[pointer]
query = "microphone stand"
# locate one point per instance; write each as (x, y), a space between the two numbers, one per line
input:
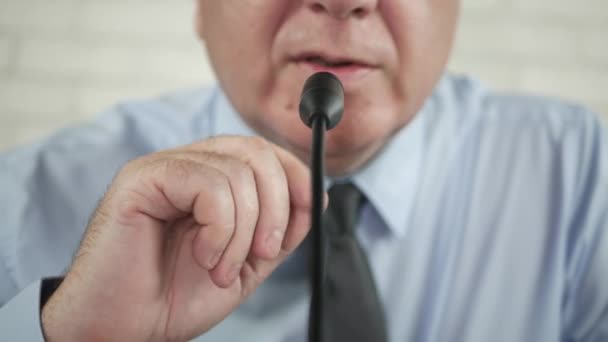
(319, 241)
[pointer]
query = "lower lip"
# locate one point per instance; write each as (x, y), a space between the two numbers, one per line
(346, 74)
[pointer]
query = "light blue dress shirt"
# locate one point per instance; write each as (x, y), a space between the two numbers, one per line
(487, 217)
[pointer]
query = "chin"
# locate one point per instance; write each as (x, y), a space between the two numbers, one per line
(348, 147)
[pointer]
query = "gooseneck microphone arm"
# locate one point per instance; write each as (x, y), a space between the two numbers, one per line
(319, 255)
(321, 108)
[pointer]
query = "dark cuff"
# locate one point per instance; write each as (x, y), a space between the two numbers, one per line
(47, 288)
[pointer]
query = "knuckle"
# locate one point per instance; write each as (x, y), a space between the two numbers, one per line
(131, 169)
(245, 187)
(258, 144)
(217, 198)
(241, 171)
(178, 168)
(213, 143)
(218, 184)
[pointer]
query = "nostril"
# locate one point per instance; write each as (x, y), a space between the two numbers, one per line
(359, 12)
(317, 8)
(339, 10)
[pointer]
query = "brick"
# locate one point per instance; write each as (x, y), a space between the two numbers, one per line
(186, 64)
(526, 42)
(7, 132)
(500, 76)
(470, 5)
(601, 108)
(6, 53)
(95, 97)
(76, 60)
(85, 60)
(15, 133)
(37, 15)
(595, 45)
(8, 138)
(35, 99)
(139, 17)
(583, 11)
(579, 84)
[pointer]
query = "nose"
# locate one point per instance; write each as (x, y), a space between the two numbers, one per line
(343, 9)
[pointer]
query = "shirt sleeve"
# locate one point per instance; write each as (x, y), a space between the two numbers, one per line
(20, 317)
(586, 297)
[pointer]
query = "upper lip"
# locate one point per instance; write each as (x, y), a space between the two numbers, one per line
(331, 58)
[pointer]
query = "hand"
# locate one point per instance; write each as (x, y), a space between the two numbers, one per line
(181, 238)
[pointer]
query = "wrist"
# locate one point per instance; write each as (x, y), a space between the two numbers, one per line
(59, 319)
(48, 287)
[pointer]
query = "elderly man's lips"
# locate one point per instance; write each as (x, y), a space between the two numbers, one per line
(347, 73)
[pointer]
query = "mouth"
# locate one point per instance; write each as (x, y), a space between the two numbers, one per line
(345, 68)
(318, 60)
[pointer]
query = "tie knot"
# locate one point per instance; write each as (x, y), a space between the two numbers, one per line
(344, 203)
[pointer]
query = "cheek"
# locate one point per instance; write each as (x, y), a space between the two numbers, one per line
(422, 32)
(238, 35)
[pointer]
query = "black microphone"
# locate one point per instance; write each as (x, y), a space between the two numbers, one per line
(323, 95)
(321, 108)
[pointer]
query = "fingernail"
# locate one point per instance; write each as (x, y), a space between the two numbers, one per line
(274, 241)
(214, 259)
(233, 272)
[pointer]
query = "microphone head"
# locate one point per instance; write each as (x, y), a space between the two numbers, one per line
(322, 95)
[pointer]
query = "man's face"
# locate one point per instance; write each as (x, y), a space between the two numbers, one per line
(388, 54)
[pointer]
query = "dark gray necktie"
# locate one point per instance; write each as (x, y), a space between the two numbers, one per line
(352, 307)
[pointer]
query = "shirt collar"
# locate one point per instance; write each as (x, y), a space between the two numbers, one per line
(389, 181)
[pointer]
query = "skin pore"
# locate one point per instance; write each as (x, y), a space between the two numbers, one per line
(389, 55)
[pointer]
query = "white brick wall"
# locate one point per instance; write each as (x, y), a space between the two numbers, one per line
(62, 61)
